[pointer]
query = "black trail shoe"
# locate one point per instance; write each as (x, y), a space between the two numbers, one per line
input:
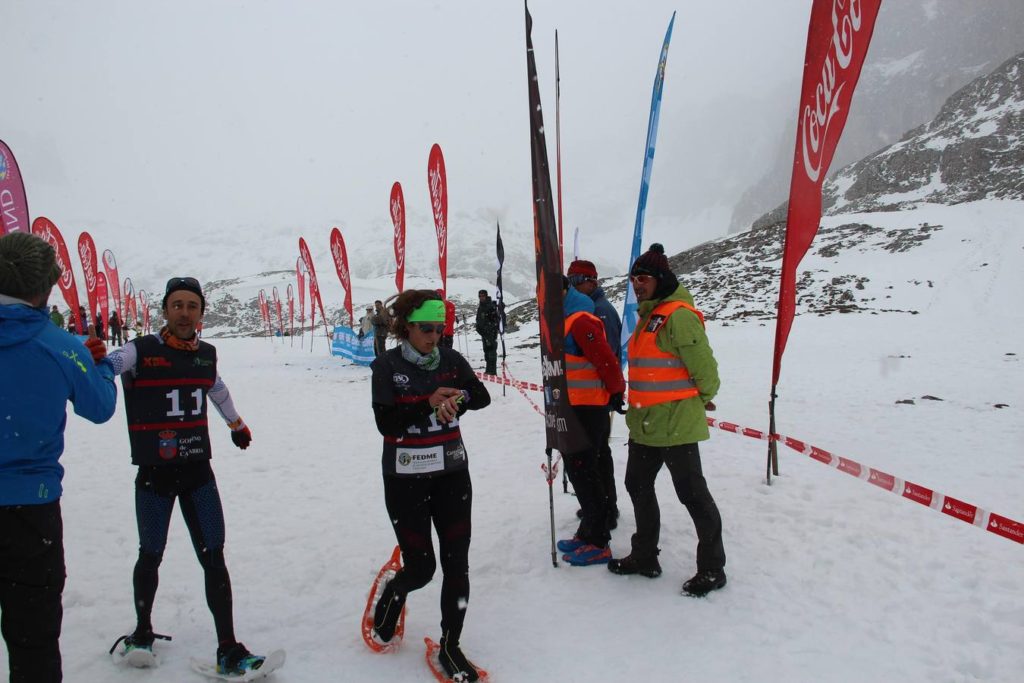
(455, 664)
(704, 582)
(385, 615)
(631, 565)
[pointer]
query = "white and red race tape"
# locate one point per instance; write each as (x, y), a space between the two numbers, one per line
(948, 505)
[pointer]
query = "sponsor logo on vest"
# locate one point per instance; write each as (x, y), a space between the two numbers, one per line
(655, 323)
(399, 378)
(202, 362)
(156, 362)
(168, 447)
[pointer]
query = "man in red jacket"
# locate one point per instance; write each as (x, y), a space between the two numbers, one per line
(595, 382)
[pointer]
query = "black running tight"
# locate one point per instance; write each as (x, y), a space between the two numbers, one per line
(196, 490)
(447, 501)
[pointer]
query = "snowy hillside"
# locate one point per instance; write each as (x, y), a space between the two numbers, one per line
(830, 580)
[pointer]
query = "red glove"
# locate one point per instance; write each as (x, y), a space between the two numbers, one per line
(242, 437)
(97, 348)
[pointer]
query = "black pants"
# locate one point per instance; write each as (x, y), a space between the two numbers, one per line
(115, 335)
(490, 354)
(683, 464)
(379, 343)
(194, 486)
(447, 501)
(606, 466)
(583, 469)
(31, 584)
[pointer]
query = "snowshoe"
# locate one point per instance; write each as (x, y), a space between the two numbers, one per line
(136, 649)
(373, 640)
(449, 664)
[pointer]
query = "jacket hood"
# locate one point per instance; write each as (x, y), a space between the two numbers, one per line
(576, 301)
(20, 322)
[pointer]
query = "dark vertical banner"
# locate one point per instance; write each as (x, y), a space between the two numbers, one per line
(43, 227)
(562, 429)
(558, 153)
(437, 181)
(87, 254)
(500, 251)
(113, 283)
(13, 202)
(398, 218)
(341, 266)
(837, 43)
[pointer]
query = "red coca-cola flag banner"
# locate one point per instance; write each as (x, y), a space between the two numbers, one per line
(837, 43)
(130, 314)
(264, 317)
(314, 288)
(144, 302)
(299, 267)
(13, 202)
(398, 218)
(312, 309)
(44, 228)
(437, 181)
(110, 266)
(87, 254)
(102, 295)
(341, 265)
(277, 305)
(291, 310)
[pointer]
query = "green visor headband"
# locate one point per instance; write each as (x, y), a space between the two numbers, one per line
(431, 310)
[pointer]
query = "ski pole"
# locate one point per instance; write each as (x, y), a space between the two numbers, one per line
(551, 509)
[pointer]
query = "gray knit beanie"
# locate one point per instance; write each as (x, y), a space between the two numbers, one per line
(28, 266)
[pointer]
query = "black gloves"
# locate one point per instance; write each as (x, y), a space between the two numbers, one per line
(242, 437)
(617, 403)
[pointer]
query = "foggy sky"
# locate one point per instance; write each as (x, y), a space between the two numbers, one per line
(169, 120)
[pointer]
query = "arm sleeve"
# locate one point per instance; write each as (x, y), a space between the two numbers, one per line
(594, 344)
(123, 359)
(688, 340)
(221, 399)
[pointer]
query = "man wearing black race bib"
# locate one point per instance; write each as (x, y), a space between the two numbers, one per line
(167, 378)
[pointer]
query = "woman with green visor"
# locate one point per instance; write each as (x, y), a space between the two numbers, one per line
(420, 391)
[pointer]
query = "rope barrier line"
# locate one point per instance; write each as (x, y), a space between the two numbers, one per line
(930, 498)
(513, 382)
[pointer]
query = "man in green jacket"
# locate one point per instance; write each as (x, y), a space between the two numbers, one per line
(673, 376)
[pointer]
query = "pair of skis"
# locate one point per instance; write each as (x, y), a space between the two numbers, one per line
(386, 573)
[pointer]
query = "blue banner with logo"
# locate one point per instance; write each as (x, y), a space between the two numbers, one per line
(629, 314)
(348, 344)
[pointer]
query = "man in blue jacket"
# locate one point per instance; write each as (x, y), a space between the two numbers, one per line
(42, 368)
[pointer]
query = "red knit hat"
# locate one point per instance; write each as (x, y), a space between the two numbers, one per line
(584, 268)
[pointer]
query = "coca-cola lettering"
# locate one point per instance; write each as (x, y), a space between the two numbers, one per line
(815, 120)
(435, 195)
(85, 252)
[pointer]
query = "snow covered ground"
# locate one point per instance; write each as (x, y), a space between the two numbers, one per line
(830, 579)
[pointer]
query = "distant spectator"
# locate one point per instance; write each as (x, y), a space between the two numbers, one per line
(114, 324)
(56, 317)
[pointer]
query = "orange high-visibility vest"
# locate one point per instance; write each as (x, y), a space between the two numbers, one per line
(654, 375)
(585, 385)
